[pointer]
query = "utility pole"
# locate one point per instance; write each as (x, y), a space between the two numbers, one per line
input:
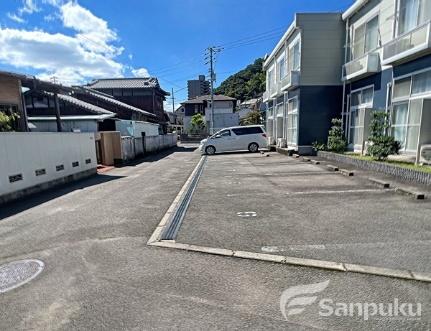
(173, 101)
(210, 57)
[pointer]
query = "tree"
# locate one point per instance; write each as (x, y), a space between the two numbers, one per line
(381, 145)
(197, 123)
(252, 118)
(7, 122)
(336, 141)
(246, 84)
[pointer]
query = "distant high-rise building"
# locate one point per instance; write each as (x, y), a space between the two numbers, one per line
(198, 87)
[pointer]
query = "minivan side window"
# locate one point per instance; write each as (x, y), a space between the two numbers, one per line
(224, 133)
(244, 131)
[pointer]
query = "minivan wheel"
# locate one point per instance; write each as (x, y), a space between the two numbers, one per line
(210, 150)
(253, 147)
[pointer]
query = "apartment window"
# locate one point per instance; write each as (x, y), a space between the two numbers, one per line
(359, 101)
(270, 79)
(421, 83)
(356, 126)
(295, 56)
(270, 112)
(292, 122)
(281, 65)
(406, 118)
(416, 84)
(402, 88)
(362, 98)
(413, 13)
(366, 37)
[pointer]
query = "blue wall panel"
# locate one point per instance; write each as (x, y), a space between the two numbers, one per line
(318, 105)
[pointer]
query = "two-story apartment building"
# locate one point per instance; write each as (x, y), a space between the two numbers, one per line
(303, 85)
(388, 68)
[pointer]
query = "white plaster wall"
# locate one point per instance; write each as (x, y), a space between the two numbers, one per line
(24, 153)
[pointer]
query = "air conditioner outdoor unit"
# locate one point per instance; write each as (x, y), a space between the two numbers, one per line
(425, 154)
(281, 143)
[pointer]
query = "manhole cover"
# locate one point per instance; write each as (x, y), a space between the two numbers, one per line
(246, 214)
(17, 273)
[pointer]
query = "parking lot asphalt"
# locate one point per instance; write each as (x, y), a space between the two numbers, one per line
(285, 206)
(100, 274)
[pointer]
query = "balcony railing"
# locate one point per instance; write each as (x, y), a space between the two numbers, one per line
(408, 45)
(361, 67)
(265, 96)
(291, 80)
(273, 90)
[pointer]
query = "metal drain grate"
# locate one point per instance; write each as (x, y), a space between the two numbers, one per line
(18, 273)
(171, 231)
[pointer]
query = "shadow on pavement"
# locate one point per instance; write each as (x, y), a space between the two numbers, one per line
(35, 199)
(161, 155)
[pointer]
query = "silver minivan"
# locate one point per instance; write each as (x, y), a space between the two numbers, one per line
(237, 138)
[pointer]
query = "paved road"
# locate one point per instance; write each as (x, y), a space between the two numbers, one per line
(101, 275)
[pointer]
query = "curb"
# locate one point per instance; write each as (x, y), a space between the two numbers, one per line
(379, 182)
(346, 172)
(416, 195)
(296, 261)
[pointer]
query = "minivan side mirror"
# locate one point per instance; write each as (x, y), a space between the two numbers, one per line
(218, 136)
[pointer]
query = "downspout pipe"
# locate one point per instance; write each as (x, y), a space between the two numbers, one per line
(343, 106)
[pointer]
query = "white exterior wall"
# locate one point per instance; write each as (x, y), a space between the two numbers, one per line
(322, 51)
(135, 128)
(24, 153)
(220, 107)
(67, 126)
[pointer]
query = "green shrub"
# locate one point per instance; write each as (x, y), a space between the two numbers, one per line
(318, 146)
(8, 121)
(381, 145)
(336, 141)
(197, 124)
(251, 118)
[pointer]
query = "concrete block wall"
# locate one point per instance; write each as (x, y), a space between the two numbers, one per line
(157, 143)
(31, 160)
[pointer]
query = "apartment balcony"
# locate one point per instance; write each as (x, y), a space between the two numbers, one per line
(265, 96)
(290, 81)
(408, 46)
(273, 90)
(361, 67)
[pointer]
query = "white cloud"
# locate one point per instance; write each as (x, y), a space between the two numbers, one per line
(89, 50)
(140, 72)
(28, 7)
(94, 32)
(15, 17)
(55, 54)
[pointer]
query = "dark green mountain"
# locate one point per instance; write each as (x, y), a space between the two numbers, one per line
(246, 84)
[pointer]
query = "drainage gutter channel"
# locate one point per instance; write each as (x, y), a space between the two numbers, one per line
(175, 222)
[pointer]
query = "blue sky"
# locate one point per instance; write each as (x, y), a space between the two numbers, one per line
(76, 41)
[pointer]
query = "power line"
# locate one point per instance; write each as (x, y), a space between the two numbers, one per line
(253, 36)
